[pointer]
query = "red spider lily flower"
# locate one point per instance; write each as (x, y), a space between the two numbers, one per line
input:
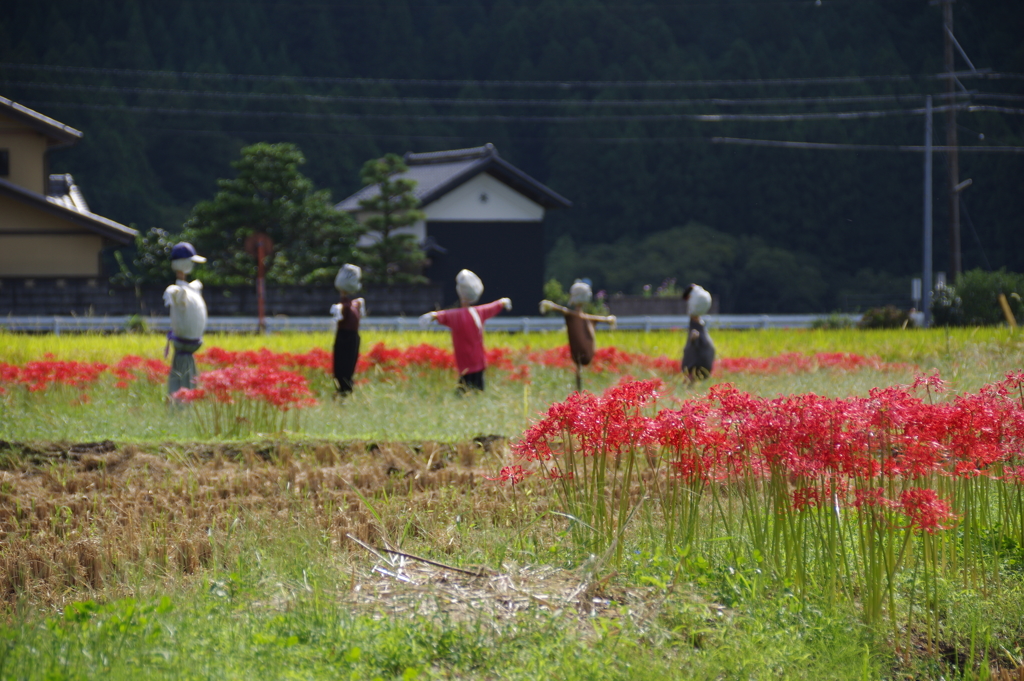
(499, 358)
(926, 510)
(520, 374)
(131, 368)
(1012, 383)
(794, 362)
(281, 389)
(1014, 474)
(513, 474)
(806, 497)
(931, 382)
(189, 395)
(593, 425)
(872, 497)
(317, 359)
(395, 360)
(9, 373)
(40, 375)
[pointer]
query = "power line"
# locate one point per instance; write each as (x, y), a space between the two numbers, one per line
(454, 101)
(973, 108)
(693, 139)
(788, 144)
(550, 84)
(504, 118)
(685, 4)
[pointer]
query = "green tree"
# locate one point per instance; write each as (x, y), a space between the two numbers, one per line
(270, 195)
(393, 257)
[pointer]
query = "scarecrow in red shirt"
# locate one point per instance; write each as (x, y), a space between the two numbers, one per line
(467, 325)
(578, 325)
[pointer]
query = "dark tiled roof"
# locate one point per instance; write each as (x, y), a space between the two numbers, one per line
(66, 201)
(440, 172)
(59, 134)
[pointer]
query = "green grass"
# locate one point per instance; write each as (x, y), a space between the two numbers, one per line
(281, 612)
(275, 596)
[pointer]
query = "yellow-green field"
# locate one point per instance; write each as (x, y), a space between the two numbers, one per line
(923, 346)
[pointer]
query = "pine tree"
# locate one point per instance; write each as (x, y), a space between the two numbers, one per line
(271, 196)
(394, 257)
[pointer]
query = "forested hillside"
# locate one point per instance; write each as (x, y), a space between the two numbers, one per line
(615, 105)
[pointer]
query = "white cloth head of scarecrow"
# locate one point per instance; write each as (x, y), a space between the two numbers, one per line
(580, 293)
(347, 280)
(698, 302)
(468, 286)
(184, 257)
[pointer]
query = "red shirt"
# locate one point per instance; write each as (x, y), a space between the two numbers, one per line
(468, 334)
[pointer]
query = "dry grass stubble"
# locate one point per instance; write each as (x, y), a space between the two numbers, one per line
(88, 520)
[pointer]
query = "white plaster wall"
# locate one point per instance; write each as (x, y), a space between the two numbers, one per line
(484, 199)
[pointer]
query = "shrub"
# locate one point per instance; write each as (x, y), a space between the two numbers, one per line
(835, 320)
(947, 308)
(888, 317)
(979, 292)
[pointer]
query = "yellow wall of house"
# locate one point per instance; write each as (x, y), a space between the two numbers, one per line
(26, 152)
(18, 216)
(49, 256)
(61, 249)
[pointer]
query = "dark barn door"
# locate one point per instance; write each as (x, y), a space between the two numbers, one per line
(508, 257)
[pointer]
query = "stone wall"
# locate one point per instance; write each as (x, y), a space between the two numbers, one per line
(36, 297)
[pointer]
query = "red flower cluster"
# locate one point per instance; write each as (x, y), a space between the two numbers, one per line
(281, 389)
(592, 425)
(513, 474)
(891, 436)
(606, 359)
(132, 368)
(926, 511)
(792, 362)
(398, 361)
(41, 374)
(422, 356)
(317, 358)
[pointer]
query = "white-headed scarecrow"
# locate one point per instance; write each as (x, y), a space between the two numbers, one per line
(188, 318)
(347, 313)
(699, 351)
(579, 325)
(467, 325)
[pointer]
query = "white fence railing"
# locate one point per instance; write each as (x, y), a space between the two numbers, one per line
(69, 324)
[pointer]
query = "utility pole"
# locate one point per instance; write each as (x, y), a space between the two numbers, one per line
(952, 154)
(927, 264)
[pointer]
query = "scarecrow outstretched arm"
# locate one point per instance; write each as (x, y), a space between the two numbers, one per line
(549, 306)
(610, 319)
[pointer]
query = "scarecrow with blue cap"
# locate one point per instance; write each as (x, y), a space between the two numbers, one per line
(188, 318)
(579, 325)
(347, 314)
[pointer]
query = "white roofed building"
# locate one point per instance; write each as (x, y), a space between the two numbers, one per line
(482, 214)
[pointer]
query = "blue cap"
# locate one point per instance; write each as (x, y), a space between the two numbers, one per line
(183, 250)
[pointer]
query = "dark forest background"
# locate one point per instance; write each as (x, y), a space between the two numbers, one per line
(585, 96)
